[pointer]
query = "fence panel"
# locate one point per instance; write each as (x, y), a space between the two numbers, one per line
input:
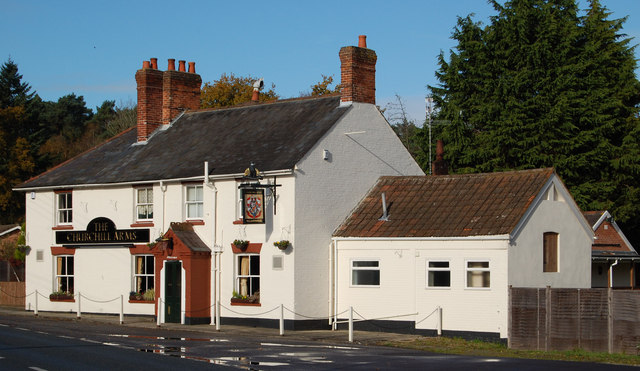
(626, 321)
(12, 293)
(577, 318)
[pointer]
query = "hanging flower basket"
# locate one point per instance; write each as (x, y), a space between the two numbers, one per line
(241, 244)
(282, 245)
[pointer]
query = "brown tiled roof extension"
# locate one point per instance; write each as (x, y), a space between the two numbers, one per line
(446, 205)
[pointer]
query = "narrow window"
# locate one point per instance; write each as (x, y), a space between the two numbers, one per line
(365, 273)
(64, 273)
(478, 274)
(144, 203)
(550, 252)
(248, 276)
(143, 275)
(193, 203)
(438, 274)
(64, 208)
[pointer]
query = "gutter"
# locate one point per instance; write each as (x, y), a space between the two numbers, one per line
(136, 182)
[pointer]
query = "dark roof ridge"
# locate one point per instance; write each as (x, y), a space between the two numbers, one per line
(494, 173)
(259, 104)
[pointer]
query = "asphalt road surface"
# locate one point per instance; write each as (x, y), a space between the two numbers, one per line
(29, 343)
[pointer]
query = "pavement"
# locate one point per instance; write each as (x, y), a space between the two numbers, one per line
(323, 336)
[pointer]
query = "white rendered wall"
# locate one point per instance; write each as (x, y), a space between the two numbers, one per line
(276, 285)
(403, 283)
(327, 190)
(574, 249)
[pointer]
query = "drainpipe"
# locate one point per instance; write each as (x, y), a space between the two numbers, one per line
(611, 273)
(163, 188)
(335, 284)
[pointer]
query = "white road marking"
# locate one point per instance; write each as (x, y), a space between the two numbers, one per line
(37, 368)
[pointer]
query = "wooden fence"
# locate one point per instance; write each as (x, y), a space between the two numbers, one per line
(601, 320)
(12, 293)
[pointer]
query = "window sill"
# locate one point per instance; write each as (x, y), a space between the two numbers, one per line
(142, 301)
(196, 222)
(244, 303)
(61, 227)
(64, 300)
(141, 224)
(239, 221)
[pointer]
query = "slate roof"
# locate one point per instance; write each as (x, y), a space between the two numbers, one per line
(185, 233)
(446, 205)
(273, 135)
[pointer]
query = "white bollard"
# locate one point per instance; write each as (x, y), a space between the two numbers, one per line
(439, 319)
(351, 324)
(121, 309)
(36, 310)
(218, 315)
(159, 312)
(79, 296)
(281, 319)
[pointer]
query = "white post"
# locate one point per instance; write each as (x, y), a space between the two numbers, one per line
(36, 311)
(351, 324)
(159, 312)
(281, 319)
(439, 319)
(121, 309)
(79, 296)
(218, 315)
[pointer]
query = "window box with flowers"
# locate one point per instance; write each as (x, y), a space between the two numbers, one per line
(252, 300)
(62, 296)
(148, 296)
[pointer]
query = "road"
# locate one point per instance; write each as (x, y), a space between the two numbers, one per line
(27, 342)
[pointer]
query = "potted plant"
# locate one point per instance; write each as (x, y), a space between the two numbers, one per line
(282, 245)
(241, 244)
(149, 295)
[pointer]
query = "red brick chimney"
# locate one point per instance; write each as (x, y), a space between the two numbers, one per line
(163, 95)
(149, 81)
(358, 72)
(180, 91)
(439, 166)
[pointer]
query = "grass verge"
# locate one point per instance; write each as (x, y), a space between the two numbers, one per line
(488, 349)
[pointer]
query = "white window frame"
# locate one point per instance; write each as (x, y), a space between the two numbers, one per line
(353, 269)
(147, 204)
(239, 276)
(438, 269)
(66, 209)
(59, 277)
(145, 275)
(468, 270)
(195, 202)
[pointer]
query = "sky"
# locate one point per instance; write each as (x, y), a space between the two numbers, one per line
(93, 48)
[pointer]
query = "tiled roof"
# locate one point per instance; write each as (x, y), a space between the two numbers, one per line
(446, 205)
(275, 136)
(607, 239)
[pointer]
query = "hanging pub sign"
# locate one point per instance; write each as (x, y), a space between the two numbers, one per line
(102, 231)
(253, 206)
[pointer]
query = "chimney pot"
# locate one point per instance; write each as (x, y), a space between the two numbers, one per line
(171, 65)
(181, 67)
(362, 41)
(154, 63)
(192, 67)
(146, 64)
